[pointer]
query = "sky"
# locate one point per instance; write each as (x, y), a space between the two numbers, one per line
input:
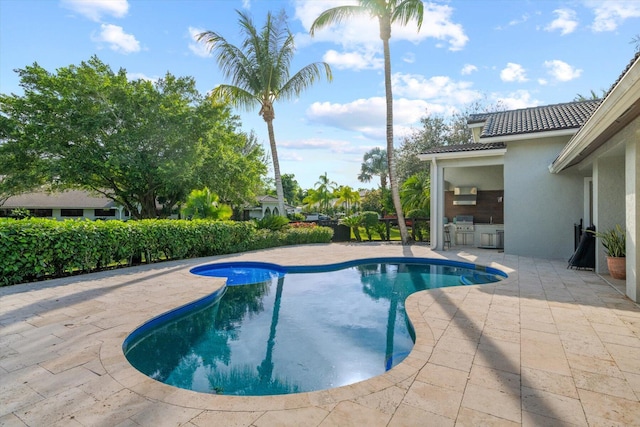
(514, 53)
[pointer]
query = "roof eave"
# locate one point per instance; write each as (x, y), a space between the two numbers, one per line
(529, 135)
(463, 154)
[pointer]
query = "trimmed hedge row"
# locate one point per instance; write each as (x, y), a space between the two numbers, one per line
(35, 249)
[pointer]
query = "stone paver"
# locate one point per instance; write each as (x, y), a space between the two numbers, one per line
(547, 346)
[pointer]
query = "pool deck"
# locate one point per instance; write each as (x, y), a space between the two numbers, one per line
(548, 346)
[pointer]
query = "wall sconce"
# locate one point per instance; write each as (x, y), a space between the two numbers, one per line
(500, 199)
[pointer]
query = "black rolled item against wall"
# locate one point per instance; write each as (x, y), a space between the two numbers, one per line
(585, 254)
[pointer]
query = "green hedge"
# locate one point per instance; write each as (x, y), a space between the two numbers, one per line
(35, 249)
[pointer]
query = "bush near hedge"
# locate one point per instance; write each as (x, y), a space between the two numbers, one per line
(36, 249)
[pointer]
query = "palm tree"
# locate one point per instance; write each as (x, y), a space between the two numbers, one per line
(259, 74)
(374, 162)
(416, 193)
(346, 195)
(203, 204)
(324, 189)
(387, 12)
(312, 200)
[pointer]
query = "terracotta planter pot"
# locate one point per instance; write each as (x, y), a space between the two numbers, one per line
(617, 267)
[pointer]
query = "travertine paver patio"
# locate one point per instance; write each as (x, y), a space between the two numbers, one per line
(548, 346)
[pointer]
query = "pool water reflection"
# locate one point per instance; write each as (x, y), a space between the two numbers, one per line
(298, 331)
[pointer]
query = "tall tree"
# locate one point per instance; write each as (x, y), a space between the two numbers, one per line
(374, 162)
(85, 126)
(387, 12)
(324, 188)
(259, 74)
(291, 188)
(346, 196)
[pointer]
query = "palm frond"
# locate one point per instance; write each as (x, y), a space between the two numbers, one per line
(336, 15)
(408, 10)
(304, 79)
(236, 96)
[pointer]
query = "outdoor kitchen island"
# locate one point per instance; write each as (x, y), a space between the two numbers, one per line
(488, 236)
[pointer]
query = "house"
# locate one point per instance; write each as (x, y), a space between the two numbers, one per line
(265, 206)
(66, 204)
(532, 174)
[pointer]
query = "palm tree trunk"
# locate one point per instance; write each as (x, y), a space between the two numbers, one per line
(276, 168)
(395, 194)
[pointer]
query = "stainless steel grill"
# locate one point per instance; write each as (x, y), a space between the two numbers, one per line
(464, 230)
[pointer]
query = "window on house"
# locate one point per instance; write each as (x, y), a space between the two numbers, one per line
(41, 213)
(71, 212)
(104, 212)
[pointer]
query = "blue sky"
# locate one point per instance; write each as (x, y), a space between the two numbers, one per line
(517, 53)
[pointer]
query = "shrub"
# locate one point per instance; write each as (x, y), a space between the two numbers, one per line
(370, 222)
(272, 222)
(296, 217)
(35, 249)
(353, 222)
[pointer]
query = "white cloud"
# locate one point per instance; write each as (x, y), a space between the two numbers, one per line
(368, 117)
(513, 73)
(246, 4)
(561, 71)
(333, 145)
(516, 100)
(468, 69)
(409, 58)
(524, 18)
(353, 60)
(565, 21)
(141, 76)
(363, 30)
(117, 39)
(198, 48)
(612, 13)
(438, 89)
(543, 82)
(94, 9)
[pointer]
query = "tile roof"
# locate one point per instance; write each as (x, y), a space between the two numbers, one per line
(636, 58)
(478, 146)
(570, 115)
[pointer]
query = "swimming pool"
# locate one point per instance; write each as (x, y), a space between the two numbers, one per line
(326, 327)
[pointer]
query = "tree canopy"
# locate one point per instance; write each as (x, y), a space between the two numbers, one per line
(137, 142)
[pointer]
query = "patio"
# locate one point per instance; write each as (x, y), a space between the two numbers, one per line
(547, 346)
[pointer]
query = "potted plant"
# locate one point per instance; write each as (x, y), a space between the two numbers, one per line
(614, 241)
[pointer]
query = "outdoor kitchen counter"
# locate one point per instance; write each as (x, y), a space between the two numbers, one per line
(488, 235)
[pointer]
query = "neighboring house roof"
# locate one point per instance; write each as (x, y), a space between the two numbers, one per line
(465, 147)
(569, 115)
(64, 200)
(267, 199)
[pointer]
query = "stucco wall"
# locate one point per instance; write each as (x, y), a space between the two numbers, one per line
(540, 208)
(609, 199)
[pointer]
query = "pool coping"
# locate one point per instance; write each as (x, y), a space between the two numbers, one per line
(509, 320)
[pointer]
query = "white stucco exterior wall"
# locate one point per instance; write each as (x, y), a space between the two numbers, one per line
(540, 208)
(632, 178)
(609, 200)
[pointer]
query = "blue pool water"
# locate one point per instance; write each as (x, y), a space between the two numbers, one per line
(281, 330)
